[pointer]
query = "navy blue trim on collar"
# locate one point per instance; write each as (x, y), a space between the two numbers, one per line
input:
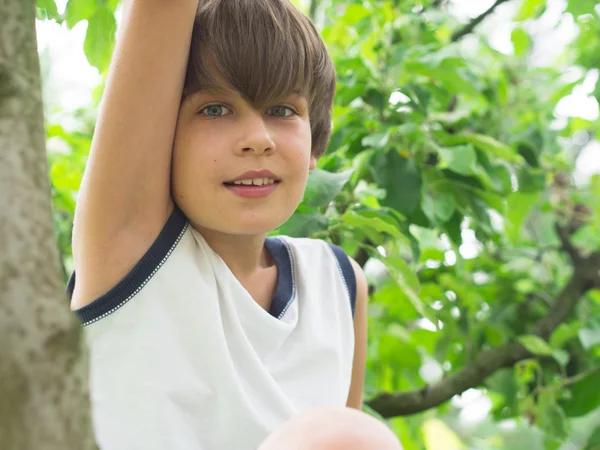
(142, 272)
(347, 274)
(285, 289)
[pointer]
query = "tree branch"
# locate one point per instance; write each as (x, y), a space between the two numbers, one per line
(566, 244)
(569, 381)
(467, 29)
(586, 275)
(486, 363)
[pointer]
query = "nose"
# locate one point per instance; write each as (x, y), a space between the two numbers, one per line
(255, 135)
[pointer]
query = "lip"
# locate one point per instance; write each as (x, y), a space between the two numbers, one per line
(251, 191)
(251, 174)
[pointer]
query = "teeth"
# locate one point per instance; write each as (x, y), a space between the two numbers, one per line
(256, 181)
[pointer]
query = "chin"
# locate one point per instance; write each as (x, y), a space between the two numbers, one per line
(252, 228)
(235, 220)
(254, 225)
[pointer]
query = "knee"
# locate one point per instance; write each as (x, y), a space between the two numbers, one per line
(332, 428)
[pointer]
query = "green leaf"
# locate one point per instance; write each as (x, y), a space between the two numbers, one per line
(554, 420)
(304, 224)
(112, 4)
(530, 9)
(406, 432)
(395, 303)
(580, 7)
(501, 178)
(408, 275)
(401, 180)
(460, 159)
(492, 146)
(519, 206)
(589, 337)
(438, 435)
(503, 381)
(535, 345)
(521, 41)
(430, 244)
(594, 440)
(585, 396)
(65, 175)
(407, 280)
(494, 335)
(452, 78)
(587, 238)
(377, 140)
(78, 10)
(357, 220)
(438, 206)
(324, 186)
(564, 333)
(354, 14)
(49, 8)
(531, 180)
(561, 356)
(100, 38)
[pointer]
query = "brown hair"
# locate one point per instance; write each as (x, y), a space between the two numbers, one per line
(266, 50)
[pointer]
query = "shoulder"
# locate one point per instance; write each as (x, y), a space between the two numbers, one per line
(362, 288)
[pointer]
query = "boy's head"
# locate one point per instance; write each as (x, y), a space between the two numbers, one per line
(258, 94)
(264, 49)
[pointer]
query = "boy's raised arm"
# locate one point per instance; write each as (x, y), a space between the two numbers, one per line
(125, 199)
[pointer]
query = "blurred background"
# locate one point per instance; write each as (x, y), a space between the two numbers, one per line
(463, 173)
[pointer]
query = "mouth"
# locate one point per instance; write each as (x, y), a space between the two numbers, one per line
(253, 184)
(252, 190)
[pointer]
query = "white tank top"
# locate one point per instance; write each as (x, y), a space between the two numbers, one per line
(182, 357)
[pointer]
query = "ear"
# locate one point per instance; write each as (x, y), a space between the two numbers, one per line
(313, 163)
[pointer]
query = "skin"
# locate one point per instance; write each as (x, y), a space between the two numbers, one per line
(222, 142)
(332, 428)
(355, 396)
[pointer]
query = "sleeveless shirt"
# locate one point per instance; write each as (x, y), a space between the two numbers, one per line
(182, 358)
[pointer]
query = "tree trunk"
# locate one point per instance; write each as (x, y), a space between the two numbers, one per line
(43, 364)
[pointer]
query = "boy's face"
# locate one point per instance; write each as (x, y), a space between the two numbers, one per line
(219, 136)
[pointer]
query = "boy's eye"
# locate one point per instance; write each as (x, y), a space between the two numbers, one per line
(280, 111)
(213, 110)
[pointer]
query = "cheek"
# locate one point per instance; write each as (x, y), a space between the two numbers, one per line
(303, 145)
(200, 154)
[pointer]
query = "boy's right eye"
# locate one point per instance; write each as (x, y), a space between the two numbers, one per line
(213, 111)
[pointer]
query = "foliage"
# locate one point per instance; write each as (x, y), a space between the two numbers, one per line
(448, 172)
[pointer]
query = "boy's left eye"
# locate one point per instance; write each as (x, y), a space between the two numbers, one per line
(213, 110)
(283, 108)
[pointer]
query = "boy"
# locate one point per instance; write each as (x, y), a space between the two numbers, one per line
(203, 333)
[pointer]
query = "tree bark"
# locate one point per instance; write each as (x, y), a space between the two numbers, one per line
(44, 401)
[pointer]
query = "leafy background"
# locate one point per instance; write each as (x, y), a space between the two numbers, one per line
(449, 176)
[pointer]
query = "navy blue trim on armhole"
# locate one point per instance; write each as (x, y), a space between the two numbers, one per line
(284, 291)
(141, 273)
(347, 273)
